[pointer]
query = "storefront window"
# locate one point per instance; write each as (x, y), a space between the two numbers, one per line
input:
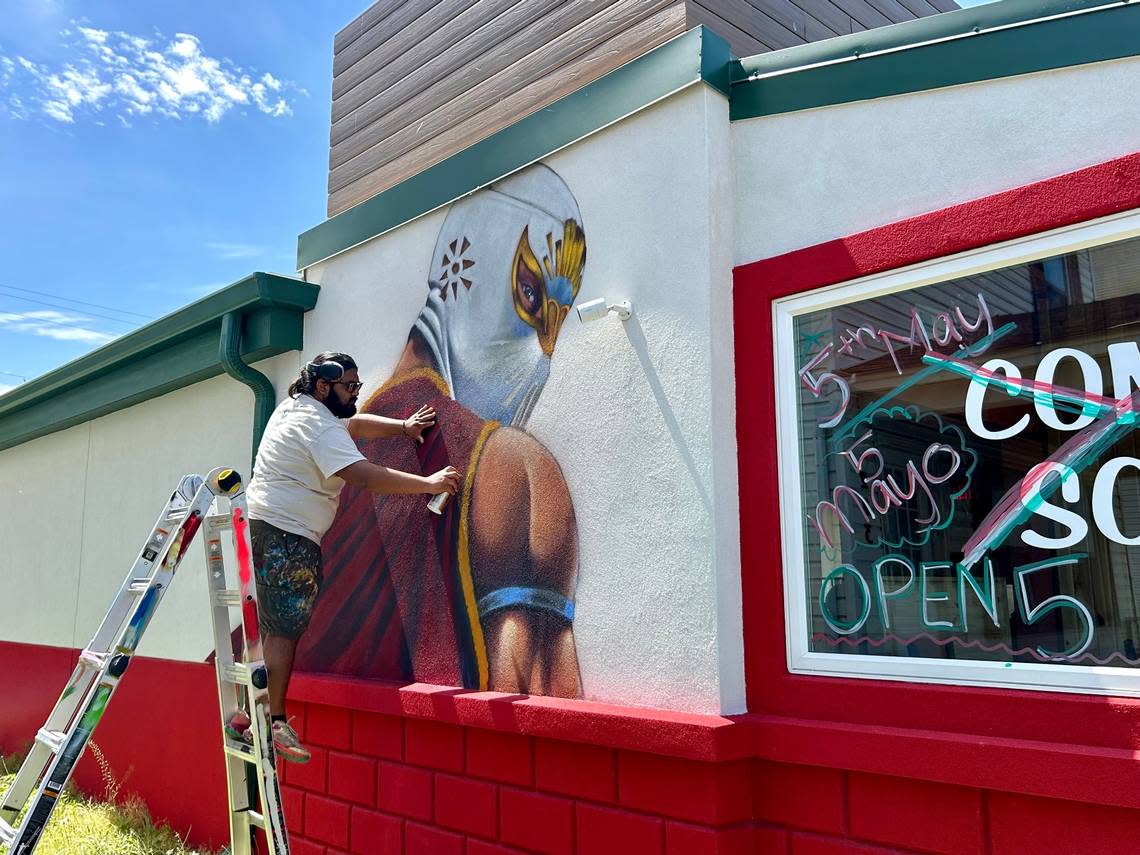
(968, 468)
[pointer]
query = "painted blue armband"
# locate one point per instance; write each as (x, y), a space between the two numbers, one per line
(542, 599)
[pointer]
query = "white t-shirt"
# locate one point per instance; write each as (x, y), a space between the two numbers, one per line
(294, 486)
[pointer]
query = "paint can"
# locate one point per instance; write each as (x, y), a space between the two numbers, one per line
(437, 502)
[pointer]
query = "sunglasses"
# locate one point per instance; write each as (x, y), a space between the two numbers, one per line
(350, 385)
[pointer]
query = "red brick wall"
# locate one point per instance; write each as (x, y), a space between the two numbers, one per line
(429, 769)
(389, 783)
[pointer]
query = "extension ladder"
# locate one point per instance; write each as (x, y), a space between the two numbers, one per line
(251, 769)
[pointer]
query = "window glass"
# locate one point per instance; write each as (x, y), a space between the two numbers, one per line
(970, 466)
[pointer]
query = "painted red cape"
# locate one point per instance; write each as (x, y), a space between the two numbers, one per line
(397, 600)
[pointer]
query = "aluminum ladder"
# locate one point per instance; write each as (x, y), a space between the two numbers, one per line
(251, 771)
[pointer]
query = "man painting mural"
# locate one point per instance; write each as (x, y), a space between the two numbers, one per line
(306, 456)
(482, 595)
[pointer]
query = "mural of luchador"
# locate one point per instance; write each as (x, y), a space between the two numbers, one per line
(481, 596)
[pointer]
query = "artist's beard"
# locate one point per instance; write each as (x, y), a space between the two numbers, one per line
(341, 411)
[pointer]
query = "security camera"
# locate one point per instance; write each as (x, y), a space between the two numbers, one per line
(594, 310)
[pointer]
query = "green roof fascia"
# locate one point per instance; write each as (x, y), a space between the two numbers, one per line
(175, 351)
(698, 55)
(987, 42)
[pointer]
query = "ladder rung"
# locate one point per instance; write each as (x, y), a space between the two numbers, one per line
(227, 597)
(241, 751)
(139, 585)
(7, 833)
(220, 521)
(92, 659)
(236, 673)
(51, 739)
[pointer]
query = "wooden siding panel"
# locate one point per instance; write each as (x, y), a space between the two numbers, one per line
(416, 80)
(429, 59)
(442, 26)
(834, 18)
(753, 23)
(375, 14)
(803, 18)
(863, 14)
(920, 8)
(355, 62)
(472, 60)
(620, 48)
(400, 32)
(348, 34)
(740, 42)
(818, 32)
(433, 111)
(893, 10)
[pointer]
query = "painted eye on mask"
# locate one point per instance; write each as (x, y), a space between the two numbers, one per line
(529, 285)
(529, 297)
(543, 292)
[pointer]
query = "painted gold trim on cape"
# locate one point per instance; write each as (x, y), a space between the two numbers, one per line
(463, 553)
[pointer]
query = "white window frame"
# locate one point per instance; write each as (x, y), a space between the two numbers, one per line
(1101, 680)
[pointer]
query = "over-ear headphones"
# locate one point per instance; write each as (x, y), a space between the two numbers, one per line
(330, 371)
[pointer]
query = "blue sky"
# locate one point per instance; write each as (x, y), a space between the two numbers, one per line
(152, 153)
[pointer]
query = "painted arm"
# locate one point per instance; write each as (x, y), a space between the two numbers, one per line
(524, 538)
(368, 426)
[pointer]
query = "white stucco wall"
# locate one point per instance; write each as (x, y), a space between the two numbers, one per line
(41, 536)
(639, 416)
(816, 175)
(77, 505)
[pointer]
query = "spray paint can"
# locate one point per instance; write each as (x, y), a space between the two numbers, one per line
(437, 502)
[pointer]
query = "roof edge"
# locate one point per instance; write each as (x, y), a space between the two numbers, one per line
(1004, 39)
(267, 290)
(971, 21)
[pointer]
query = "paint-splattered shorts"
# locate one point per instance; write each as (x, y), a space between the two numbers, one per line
(287, 568)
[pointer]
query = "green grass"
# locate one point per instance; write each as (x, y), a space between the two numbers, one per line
(113, 826)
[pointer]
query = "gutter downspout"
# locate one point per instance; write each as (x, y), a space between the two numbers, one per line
(264, 396)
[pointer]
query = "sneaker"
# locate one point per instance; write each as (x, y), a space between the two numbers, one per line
(238, 727)
(287, 743)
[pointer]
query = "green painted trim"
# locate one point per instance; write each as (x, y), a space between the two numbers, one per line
(1003, 39)
(716, 61)
(911, 33)
(168, 354)
(696, 55)
(264, 396)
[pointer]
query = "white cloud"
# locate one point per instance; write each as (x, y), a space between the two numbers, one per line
(129, 76)
(184, 45)
(52, 324)
(15, 104)
(95, 37)
(16, 108)
(4, 387)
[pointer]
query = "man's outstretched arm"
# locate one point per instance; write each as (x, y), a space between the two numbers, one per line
(381, 479)
(368, 426)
